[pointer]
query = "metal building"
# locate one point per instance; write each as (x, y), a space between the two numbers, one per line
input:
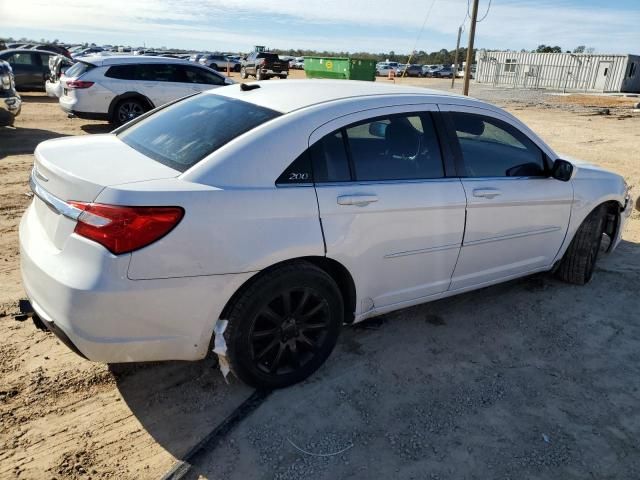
(582, 72)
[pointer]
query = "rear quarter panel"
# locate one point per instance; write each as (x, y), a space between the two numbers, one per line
(230, 230)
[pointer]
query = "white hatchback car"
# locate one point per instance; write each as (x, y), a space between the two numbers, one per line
(272, 213)
(121, 88)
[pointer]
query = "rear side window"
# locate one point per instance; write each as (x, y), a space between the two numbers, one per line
(122, 72)
(493, 148)
(78, 69)
(182, 134)
(159, 72)
(24, 59)
(397, 147)
(268, 56)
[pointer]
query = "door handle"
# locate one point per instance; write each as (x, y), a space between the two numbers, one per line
(358, 200)
(486, 192)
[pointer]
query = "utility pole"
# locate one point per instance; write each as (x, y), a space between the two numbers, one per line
(472, 34)
(455, 61)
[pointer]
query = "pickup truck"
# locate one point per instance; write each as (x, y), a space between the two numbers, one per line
(263, 66)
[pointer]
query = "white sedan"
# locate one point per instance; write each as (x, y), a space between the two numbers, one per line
(265, 216)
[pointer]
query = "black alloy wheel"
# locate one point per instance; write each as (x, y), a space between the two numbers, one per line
(284, 326)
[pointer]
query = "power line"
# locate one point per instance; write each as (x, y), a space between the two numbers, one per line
(486, 13)
(415, 45)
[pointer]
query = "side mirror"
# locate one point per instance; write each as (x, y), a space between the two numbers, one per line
(377, 129)
(562, 170)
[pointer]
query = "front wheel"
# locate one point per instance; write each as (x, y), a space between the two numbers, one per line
(284, 326)
(259, 75)
(243, 73)
(579, 261)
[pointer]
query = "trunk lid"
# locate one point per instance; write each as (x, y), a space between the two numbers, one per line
(79, 169)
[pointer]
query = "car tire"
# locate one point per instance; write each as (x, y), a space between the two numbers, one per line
(259, 75)
(579, 261)
(243, 73)
(236, 68)
(283, 77)
(128, 109)
(274, 343)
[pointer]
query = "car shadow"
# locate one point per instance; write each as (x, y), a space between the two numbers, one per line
(21, 141)
(179, 403)
(93, 128)
(36, 97)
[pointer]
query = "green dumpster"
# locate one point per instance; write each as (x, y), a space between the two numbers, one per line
(340, 68)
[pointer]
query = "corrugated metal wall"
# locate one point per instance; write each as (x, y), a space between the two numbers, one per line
(559, 71)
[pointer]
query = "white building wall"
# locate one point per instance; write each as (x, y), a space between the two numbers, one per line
(559, 71)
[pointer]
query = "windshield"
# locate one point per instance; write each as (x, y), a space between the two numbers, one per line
(78, 69)
(182, 134)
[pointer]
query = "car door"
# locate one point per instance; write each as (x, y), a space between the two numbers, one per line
(26, 69)
(162, 82)
(201, 79)
(388, 212)
(517, 214)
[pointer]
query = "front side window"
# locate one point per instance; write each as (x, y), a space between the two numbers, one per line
(493, 148)
(184, 133)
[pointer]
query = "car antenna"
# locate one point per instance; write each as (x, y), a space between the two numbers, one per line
(245, 87)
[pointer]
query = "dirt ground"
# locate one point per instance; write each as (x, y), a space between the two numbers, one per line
(530, 379)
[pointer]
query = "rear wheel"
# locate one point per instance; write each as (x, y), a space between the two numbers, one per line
(579, 261)
(127, 110)
(284, 326)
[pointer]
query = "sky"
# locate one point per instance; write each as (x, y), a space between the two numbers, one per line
(334, 25)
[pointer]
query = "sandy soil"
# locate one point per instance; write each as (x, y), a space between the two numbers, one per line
(529, 379)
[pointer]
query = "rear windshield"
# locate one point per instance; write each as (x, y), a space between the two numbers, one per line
(181, 135)
(78, 69)
(269, 56)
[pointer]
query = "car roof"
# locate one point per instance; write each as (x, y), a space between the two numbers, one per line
(27, 50)
(293, 95)
(100, 60)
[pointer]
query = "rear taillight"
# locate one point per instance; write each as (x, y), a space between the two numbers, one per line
(78, 84)
(125, 229)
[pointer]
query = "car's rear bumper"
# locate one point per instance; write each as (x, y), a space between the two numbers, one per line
(268, 71)
(82, 294)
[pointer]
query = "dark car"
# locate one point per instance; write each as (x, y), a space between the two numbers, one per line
(53, 48)
(30, 67)
(410, 71)
(263, 66)
(10, 102)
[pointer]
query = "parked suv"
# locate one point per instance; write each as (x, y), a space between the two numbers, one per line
(219, 62)
(120, 88)
(30, 67)
(9, 99)
(263, 66)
